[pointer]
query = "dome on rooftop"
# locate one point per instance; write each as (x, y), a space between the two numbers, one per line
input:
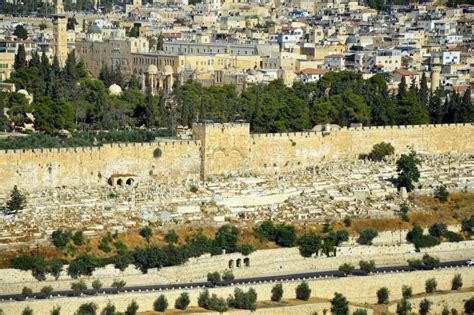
(93, 29)
(23, 91)
(351, 39)
(152, 69)
(168, 70)
(115, 89)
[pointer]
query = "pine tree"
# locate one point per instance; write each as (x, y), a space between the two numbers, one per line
(17, 201)
(20, 58)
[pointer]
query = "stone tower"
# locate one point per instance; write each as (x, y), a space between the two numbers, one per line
(59, 7)
(60, 33)
(435, 73)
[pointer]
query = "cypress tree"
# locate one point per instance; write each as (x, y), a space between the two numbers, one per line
(44, 66)
(35, 59)
(402, 89)
(424, 91)
(467, 107)
(3, 120)
(20, 58)
(435, 108)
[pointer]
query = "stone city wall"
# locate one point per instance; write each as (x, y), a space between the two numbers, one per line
(288, 151)
(48, 168)
(219, 149)
(356, 289)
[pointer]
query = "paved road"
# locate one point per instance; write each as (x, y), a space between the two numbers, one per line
(254, 280)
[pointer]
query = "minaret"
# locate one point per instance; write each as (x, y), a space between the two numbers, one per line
(59, 7)
(435, 73)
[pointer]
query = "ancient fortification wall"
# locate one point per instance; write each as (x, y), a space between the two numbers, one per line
(283, 152)
(219, 149)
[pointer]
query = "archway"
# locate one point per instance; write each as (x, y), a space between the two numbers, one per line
(130, 181)
(247, 262)
(120, 182)
(239, 263)
(231, 264)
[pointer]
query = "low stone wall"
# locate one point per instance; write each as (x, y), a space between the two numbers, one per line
(355, 289)
(262, 262)
(454, 300)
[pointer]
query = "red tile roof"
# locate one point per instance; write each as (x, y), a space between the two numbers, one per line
(313, 71)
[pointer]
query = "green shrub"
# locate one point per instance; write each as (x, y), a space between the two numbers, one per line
(109, 309)
(87, 309)
(438, 229)
(456, 283)
(347, 221)
(453, 237)
(367, 266)
(118, 284)
(132, 308)
(303, 292)
(407, 292)
(27, 311)
(96, 284)
(203, 299)
(442, 194)
(339, 305)
(214, 277)
(403, 307)
(277, 292)
(346, 268)
(366, 236)
(381, 150)
(228, 275)
(160, 304)
(469, 306)
(193, 189)
(26, 292)
(47, 290)
(430, 285)
(383, 295)
(244, 300)
(246, 249)
(430, 262)
(425, 306)
(60, 238)
(78, 238)
(182, 302)
(79, 286)
(360, 311)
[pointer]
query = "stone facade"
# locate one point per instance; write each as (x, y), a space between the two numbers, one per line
(220, 149)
